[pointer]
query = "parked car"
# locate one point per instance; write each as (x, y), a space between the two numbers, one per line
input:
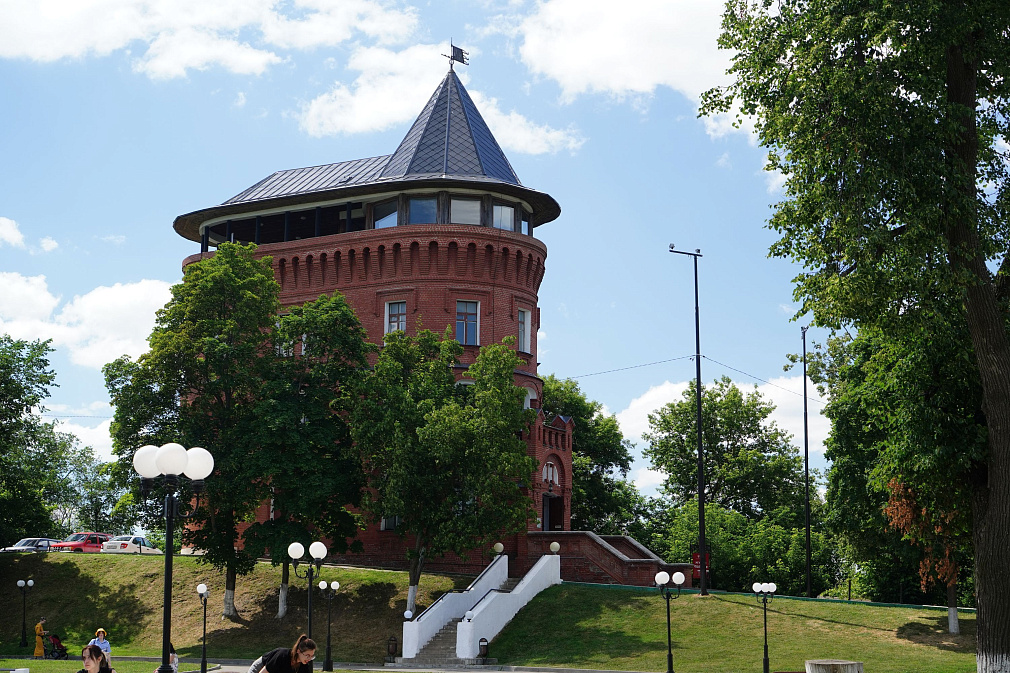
(129, 544)
(31, 544)
(82, 542)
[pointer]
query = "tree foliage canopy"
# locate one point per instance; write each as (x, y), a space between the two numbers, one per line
(889, 121)
(225, 372)
(751, 467)
(448, 459)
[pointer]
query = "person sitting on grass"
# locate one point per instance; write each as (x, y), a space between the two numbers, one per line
(102, 640)
(94, 660)
(297, 659)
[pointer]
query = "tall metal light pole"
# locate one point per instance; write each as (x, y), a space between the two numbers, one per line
(765, 593)
(806, 457)
(317, 552)
(703, 572)
(169, 461)
(24, 587)
(663, 582)
(328, 593)
(204, 592)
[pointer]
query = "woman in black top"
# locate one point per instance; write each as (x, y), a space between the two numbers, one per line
(94, 660)
(297, 659)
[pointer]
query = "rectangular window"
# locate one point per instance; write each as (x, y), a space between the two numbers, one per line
(390, 522)
(384, 214)
(396, 316)
(524, 224)
(504, 217)
(466, 322)
(423, 211)
(524, 331)
(464, 211)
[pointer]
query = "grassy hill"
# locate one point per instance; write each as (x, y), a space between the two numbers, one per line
(579, 626)
(78, 593)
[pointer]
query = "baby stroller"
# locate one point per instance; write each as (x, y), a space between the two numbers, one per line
(54, 648)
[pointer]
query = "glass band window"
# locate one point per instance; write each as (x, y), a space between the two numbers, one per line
(466, 322)
(384, 214)
(504, 217)
(464, 211)
(423, 211)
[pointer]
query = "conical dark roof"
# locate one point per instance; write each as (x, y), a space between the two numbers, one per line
(450, 138)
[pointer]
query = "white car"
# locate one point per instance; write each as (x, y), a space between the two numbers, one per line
(31, 544)
(129, 544)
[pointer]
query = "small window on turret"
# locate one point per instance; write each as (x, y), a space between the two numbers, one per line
(422, 211)
(464, 211)
(384, 214)
(524, 224)
(504, 217)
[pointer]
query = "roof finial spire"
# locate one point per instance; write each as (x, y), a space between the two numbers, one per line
(458, 55)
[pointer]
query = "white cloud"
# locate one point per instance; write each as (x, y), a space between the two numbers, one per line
(394, 86)
(634, 420)
(117, 239)
(239, 100)
(515, 132)
(724, 161)
(626, 48)
(788, 412)
(775, 181)
(97, 437)
(95, 328)
(48, 244)
(176, 36)
(10, 233)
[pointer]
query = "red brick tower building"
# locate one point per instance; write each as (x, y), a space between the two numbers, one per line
(440, 232)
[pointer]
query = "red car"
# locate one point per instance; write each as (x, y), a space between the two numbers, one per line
(83, 542)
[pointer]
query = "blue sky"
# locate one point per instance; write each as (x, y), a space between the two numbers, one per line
(119, 115)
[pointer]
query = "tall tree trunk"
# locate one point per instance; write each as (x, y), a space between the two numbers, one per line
(986, 323)
(229, 593)
(953, 626)
(414, 577)
(282, 601)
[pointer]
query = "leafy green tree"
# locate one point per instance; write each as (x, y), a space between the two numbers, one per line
(888, 121)
(899, 407)
(603, 500)
(447, 459)
(750, 465)
(26, 443)
(745, 551)
(226, 373)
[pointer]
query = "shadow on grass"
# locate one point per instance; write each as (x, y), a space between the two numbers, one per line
(932, 632)
(820, 618)
(557, 627)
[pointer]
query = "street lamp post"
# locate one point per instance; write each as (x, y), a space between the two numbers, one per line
(328, 594)
(703, 572)
(317, 552)
(806, 459)
(24, 587)
(764, 594)
(168, 462)
(663, 582)
(203, 592)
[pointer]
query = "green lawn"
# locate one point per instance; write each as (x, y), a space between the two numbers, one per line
(582, 626)
(572, 625)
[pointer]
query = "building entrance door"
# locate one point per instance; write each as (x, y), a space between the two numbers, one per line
(554, 512)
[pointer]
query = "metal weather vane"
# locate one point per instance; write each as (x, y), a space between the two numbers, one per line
(458, 55)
